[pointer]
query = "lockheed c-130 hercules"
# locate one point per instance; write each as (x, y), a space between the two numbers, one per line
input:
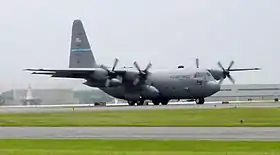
(137, 85)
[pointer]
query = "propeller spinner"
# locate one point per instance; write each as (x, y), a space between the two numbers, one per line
(226, 72)
(142, 73)
(111, 73)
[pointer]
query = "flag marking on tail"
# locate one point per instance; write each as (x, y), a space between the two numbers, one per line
(81, 50)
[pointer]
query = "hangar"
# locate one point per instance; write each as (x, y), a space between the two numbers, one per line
(246, 92)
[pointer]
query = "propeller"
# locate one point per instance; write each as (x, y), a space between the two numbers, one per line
(197, 62)
(226, 72)
(111, 73)
(142, 73)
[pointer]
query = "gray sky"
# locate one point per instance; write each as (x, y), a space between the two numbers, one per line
(36, 33)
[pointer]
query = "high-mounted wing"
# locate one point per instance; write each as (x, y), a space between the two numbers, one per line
(87, 73)
(65, 73)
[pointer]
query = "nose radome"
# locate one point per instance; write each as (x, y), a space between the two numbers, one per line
(214, 86)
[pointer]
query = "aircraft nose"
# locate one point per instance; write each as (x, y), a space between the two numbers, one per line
(214, 86)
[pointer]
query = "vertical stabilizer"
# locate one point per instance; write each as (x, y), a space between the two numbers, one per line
(81, 55)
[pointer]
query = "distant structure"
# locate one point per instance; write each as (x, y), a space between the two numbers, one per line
(247, 92)
(29, 99)
(242, 92)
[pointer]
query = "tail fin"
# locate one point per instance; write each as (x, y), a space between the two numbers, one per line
(80, 53)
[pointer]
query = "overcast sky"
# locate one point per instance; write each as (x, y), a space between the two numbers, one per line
(36, 34)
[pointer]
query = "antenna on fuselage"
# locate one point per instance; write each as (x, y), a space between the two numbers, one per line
(197, 62)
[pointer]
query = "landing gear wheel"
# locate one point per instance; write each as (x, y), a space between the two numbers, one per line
(156, 102)
(141, 102)
(164, 102)
(199, 101)
(131, 103)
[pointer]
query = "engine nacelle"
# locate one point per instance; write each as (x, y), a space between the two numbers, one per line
(131, 75)
(114, 82)
(99, 74)
(93, 83)
(149, 91)
(217, 74)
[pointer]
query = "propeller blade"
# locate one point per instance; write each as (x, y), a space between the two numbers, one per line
(148, 67)
(231, 79)
(103, 67)
(115, 64)
(137, 66)
(221, 66)
(230, 65)
(136, 80)
(221, 81)
(197, 62)
(107, 83)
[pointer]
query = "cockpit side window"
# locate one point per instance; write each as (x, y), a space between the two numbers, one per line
(209, 76)
(203, 75)
(196, 75)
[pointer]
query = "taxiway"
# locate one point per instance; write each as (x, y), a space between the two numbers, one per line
(59, 108)
(196, 133)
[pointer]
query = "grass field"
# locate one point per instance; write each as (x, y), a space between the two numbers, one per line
(171, 117)
(136, 147)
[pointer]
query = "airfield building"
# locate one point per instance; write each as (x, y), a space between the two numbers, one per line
(47, 96)
(246, 92)
(68, 96)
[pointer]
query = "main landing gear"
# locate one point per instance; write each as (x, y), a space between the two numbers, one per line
(132, 103)
(155, 102)
(200, 100)
(162, 101)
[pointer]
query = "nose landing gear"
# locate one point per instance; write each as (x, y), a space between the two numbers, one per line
(200, 100)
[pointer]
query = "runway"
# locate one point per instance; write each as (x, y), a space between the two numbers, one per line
(59, 108)
(197, 133)
(163, 133)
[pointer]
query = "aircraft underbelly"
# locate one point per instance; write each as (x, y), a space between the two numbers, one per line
(122, 92)
(175, 89)
(117, 92)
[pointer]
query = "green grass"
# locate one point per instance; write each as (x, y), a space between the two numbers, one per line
(136, 147)
(172, 117)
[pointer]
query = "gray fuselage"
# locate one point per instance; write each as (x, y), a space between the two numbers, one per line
(175, 84)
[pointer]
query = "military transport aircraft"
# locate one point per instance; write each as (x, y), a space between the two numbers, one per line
(134, 84)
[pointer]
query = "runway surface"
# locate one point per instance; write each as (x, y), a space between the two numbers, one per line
(213, 133)
(201, 133)
(57, 108)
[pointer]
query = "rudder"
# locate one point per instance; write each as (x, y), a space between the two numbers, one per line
(81, 55)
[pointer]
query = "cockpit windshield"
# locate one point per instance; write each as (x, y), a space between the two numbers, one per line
(205, 75)
(199, 75)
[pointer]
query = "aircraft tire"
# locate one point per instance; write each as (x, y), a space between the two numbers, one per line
(141, 102)
(131, 103)
(156, 102)
(164, 102)
(199, 101)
